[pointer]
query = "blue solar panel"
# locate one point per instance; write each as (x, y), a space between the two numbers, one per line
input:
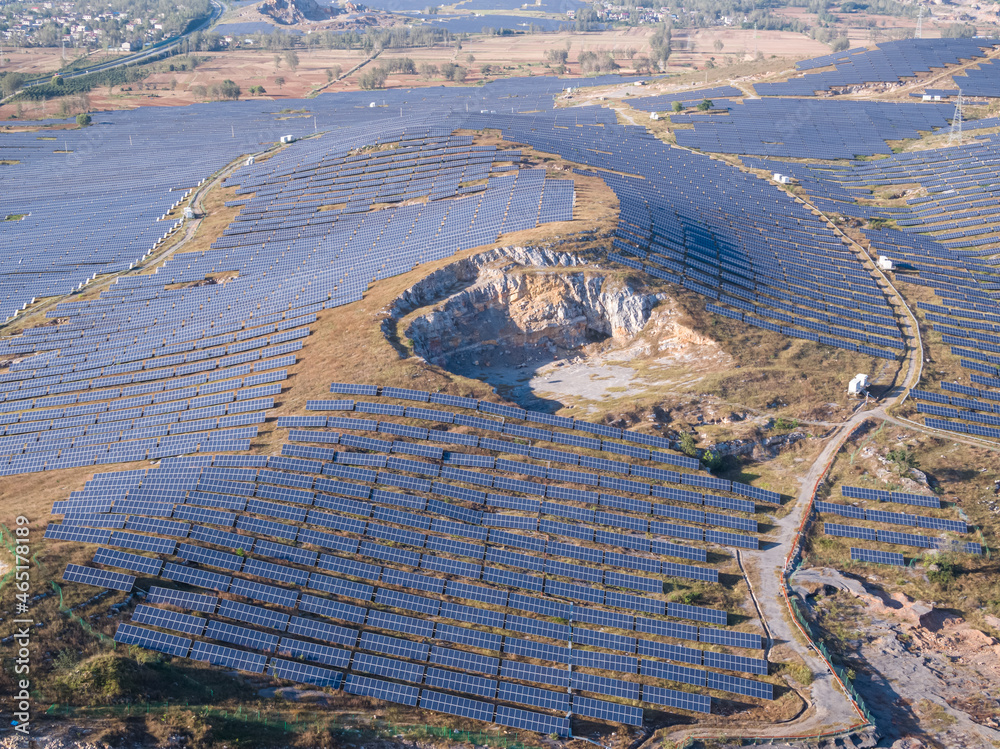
(380, 689)
(129, 634)
(102, 578)
(225, 656)
(452, 705)
(531, 721)
(186, 623)
(700, 703)
(393, 646)
(304, 673)
(609, 711)
(389, 667)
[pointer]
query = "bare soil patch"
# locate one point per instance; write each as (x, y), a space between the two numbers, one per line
(696, 46)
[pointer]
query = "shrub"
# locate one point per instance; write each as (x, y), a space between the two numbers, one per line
(688, 446)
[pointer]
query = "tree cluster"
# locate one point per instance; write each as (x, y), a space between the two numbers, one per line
(227, 90)
(594, 62)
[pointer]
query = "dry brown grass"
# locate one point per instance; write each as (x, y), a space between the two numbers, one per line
(696, 46)
(33, 60)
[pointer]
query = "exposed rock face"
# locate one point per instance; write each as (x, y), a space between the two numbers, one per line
(762, 449)
(516, 299)
(291, 12)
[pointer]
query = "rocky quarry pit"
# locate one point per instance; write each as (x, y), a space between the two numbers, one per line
(543, 326)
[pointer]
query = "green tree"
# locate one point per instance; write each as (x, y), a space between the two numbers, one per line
(944, 573)
(11, 83)
(711, 460)
(643, 64)
(677, 106)
(660, 44)
(83, 119)
(292, 59)
(373, 78)
(705, 105)
(557, 56)
(403, 65)
(279, 82)
(902, 460)
(840, 44)
(229, 90)
(57, 80)
(688, 446)
(959, 30)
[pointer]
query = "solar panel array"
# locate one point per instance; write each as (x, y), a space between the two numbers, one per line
(945, 242)
(945, 529)
(760, 257)
(297, 581)
(981, 80)
(148, 369)
(810, 128)
(415, 547)
(888, 62)
(320, 198)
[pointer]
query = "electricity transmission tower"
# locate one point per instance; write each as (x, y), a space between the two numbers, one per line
(955, 136)
(920, 24)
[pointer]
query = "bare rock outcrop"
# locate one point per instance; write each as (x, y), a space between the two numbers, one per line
(291, 12)
(520, 298)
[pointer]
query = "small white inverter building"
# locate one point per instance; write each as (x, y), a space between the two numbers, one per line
(858, 386)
